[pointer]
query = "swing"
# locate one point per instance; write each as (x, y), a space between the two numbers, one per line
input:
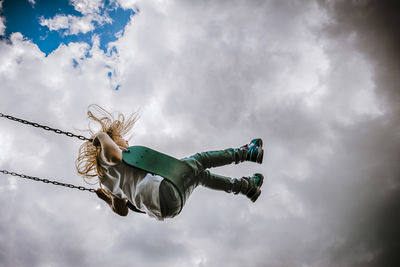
(47, 128)
(140, 157)
(152, 161)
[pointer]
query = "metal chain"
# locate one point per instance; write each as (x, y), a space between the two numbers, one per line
(46, 181)
(45, 127)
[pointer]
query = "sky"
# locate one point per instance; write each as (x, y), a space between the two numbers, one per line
(316, 80)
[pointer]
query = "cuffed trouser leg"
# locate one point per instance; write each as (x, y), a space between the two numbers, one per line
(222, 183)
(169, 197)
(218, 158)
(202, 161)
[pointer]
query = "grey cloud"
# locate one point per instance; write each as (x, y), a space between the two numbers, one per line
(375, 144)
(161, 244)
(376, 25)
(231, 74)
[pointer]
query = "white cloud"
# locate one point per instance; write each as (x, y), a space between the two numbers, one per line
(129, 4)
(87, 7)
(56, 23)
(207, 75)
(2, 21)
(33, 2)
(285, 203)
(76, 24)
(2, 26)
(5, 147)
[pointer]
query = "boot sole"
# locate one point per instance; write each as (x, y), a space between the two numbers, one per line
(256, 195)
(258, 190)
(260, 155)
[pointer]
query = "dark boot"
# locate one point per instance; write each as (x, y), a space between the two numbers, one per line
(253, 188)
(255, 152)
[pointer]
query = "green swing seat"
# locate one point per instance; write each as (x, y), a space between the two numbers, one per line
(152, 161)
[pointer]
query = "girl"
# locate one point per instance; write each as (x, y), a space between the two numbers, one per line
(123, 186)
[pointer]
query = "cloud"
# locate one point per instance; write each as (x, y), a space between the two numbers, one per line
(210, 75)
(373, 28)
(87, 7)
(74, 24)
(91, 11)
(2, 20)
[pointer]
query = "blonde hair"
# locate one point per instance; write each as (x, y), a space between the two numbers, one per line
(117, 126)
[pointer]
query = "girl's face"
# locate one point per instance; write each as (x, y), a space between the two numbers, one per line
(121, 142)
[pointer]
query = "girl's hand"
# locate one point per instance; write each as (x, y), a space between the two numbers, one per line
(102, 195)
(116, 204)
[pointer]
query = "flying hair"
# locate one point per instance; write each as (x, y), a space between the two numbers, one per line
(115, 125)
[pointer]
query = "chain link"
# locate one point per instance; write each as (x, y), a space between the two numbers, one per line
(46, 181)
(45, 127)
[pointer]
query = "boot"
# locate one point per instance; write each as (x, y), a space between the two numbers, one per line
(253, 188)
(255, 152)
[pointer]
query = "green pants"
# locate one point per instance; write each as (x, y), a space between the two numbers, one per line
(170, 201)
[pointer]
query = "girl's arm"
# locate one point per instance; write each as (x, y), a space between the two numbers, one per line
(117, 205)
(110, 152)
(109, 149)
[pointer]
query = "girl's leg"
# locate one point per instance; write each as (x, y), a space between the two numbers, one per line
(222, 183)
(218, 158)
(249, 186)
(213, 181)
(170, 201)
(250, 152)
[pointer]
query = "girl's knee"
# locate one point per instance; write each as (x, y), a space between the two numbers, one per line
(204, 177)
(194, 164)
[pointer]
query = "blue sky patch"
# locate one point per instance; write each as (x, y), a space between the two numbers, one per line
(30, 18)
